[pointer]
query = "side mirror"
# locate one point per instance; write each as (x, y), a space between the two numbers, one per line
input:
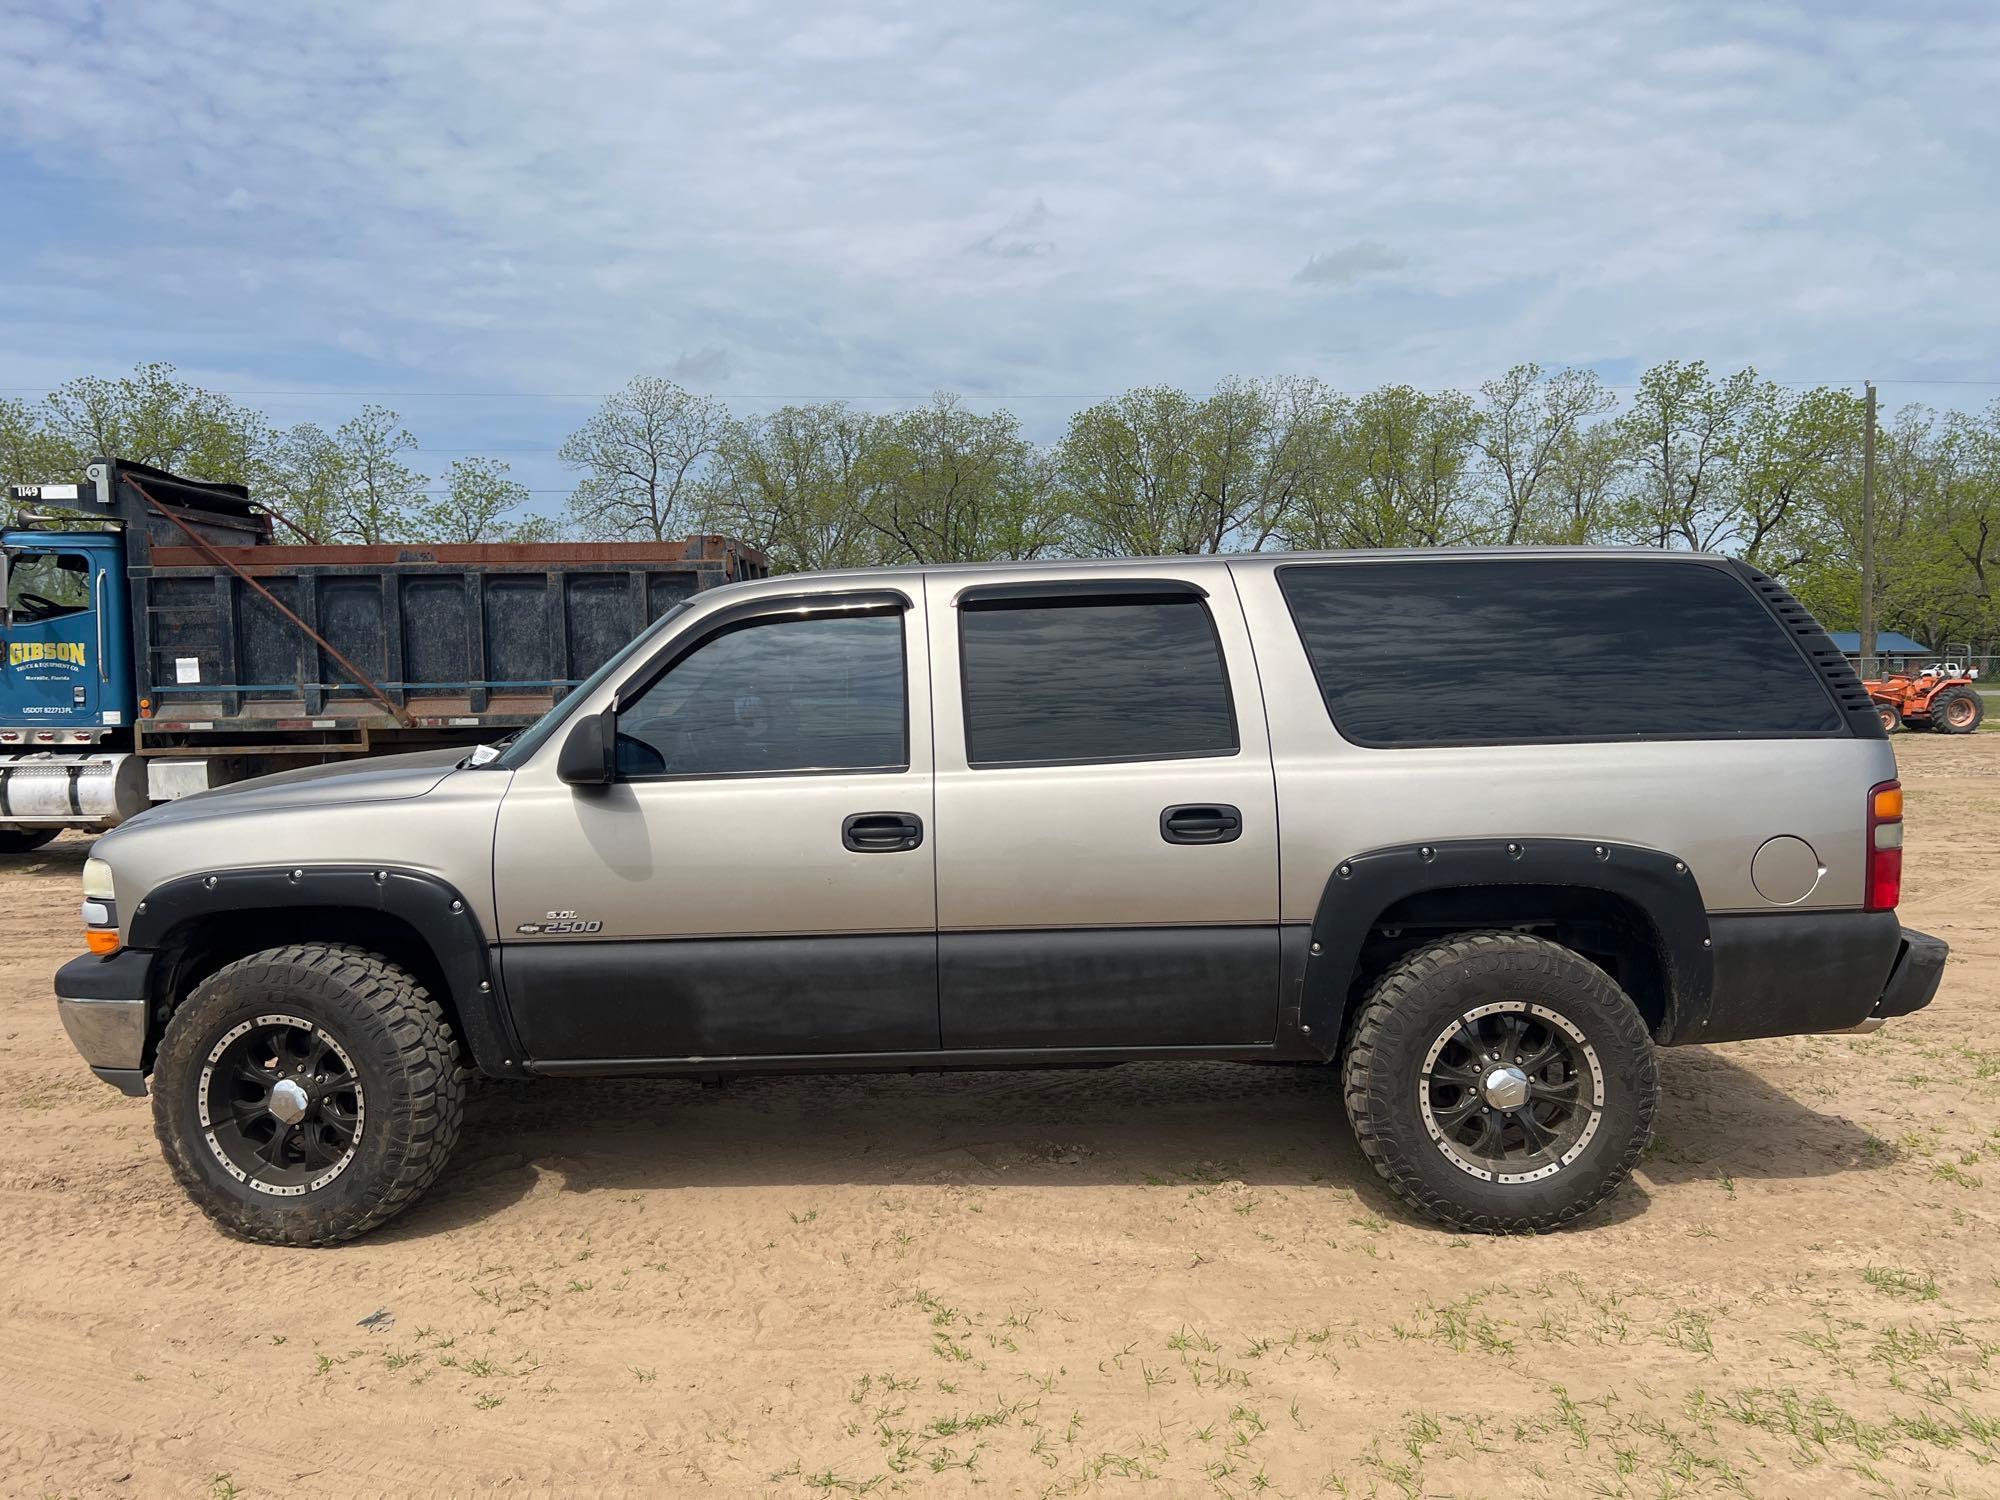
(586, 755)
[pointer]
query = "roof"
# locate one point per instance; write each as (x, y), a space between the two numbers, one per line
(1095, 566)
(1887, 643)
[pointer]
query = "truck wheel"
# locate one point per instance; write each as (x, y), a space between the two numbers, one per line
(1957, 710)
(21, 840)
(1500, 1083)
(306, 1094)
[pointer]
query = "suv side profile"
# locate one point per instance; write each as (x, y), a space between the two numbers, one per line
(1479, 829)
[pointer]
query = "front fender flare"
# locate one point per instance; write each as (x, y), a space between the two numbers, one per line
(430, 906)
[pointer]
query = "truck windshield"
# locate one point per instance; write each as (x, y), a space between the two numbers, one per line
(531, 739)
(45, 585)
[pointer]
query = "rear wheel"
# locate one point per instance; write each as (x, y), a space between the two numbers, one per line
(1957, 710)
(23, 840)
(1500, 1083)
(306, 1094)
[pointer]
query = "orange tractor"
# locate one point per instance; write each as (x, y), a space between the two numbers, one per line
(1942, 697)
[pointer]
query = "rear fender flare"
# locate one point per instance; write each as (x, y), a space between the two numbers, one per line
(1366, 885)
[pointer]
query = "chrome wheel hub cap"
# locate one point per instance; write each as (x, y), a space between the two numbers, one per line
(1505, 1088)
(288, 1102)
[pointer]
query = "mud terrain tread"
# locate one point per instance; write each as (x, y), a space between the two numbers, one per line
(1369, 1107)
(414, 1040)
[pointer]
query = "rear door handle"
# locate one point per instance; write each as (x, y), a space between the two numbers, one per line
(1201, 823)
(881, 832)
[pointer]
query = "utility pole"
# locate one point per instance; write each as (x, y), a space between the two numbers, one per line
(1868, 536)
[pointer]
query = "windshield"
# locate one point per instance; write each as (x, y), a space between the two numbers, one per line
(529, 740)
(45, 585)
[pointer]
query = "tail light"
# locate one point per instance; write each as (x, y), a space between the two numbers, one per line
(1885, 846)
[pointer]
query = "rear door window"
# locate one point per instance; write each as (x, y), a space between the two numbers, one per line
(1078, 680)
(1494, 651)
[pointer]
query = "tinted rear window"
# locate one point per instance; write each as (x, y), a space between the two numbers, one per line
(1472, 652)
(1093, 680)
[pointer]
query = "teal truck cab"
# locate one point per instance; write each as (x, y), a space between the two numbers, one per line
(67, 695)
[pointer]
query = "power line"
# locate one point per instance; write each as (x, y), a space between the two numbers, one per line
(1609, 385)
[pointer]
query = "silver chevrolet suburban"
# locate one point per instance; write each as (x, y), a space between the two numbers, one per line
(1478, 829)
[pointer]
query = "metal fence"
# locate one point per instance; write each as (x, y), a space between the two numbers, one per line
(1986, 668)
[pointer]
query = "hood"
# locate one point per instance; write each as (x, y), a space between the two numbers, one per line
(380, 778)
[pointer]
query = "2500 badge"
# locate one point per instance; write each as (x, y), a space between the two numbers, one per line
(560, 924)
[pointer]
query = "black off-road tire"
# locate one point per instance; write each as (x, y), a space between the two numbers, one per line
(1420, 999)
(25, 840)
(403, 1055)
(1891, 717)
(1941, 711)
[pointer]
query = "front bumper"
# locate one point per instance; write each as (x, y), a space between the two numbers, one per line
(105, 1005)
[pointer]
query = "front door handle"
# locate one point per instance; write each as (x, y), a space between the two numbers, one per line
(1201, 823)
(881, 832)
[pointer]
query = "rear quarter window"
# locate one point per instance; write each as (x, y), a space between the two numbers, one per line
(1502, 651)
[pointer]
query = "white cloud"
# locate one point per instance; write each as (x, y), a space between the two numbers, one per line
(511, 195)
(1349, 264)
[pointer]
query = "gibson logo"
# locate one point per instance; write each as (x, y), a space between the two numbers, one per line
(61, 653)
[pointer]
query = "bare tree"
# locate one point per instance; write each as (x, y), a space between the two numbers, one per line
(381, 494)
(643, 455)
(1523, 427)
(1685, 431)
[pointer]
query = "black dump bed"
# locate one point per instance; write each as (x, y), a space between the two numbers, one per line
(239, 638)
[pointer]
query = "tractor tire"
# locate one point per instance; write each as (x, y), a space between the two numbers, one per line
(1957, 710)
(1890, 715)
(25, 840)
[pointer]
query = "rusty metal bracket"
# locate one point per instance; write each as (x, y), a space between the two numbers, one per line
(201, 544)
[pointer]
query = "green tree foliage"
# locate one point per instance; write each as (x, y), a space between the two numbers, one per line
(478, 501)
(798, 483)
(1692, 458)
(946, 484)
(381, 498)
(1158, 471)
(154, 417)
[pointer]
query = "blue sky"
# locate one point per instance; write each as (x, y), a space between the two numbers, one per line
(496, 210)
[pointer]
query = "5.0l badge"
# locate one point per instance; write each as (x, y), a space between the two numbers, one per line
(560, 924)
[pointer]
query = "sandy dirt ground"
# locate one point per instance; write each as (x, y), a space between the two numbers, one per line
(1162, 1280)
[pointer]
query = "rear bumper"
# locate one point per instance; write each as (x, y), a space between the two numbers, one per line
(1791, 973)
(1914, 980)
(104, 1005)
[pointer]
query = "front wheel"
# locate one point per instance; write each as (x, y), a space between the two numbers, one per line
(1500, 1083)
(306, 1094)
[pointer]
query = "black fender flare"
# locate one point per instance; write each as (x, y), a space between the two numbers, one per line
(1362, 887)
(436, 911)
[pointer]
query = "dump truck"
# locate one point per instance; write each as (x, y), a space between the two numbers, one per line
(161, 641)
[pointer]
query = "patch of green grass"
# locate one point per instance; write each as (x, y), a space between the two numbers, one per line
(1918, 1286)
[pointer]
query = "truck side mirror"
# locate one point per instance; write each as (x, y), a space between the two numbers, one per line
(586, 755)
